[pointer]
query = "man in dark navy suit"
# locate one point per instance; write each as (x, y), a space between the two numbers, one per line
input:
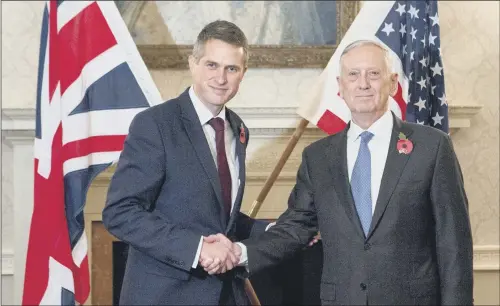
(181, 178)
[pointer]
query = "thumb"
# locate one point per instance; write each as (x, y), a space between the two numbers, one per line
(211, 239)
(236, 249)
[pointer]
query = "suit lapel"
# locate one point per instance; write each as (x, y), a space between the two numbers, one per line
(236, 125)
(394, 166)
(337, 159)
(198, 139)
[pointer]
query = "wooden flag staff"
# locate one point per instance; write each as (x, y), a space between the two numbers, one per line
(254, 300)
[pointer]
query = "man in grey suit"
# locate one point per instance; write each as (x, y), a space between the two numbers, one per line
(393, 217)
(181, 178)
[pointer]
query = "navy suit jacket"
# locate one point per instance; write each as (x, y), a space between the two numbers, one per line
(164, 195)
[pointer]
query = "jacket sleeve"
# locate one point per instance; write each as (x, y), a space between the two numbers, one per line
(293, 230)
(247, 227)
(453, 229)
(129, 213)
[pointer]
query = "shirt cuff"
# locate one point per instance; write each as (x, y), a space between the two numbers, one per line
(269, 225)
(244, 255)
(197, 257)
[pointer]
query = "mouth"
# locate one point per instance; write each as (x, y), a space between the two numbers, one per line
(219, 90)
(364, 97)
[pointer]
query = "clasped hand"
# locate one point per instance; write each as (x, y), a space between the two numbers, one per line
(219, 254)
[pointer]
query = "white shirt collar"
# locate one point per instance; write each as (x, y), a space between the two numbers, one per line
(204, 114)
(381, 127)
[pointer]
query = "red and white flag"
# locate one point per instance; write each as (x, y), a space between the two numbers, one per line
(92, 81)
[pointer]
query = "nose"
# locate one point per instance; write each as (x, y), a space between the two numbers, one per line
(221, 77)
(364, 82)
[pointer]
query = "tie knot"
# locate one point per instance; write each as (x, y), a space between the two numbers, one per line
(217, 123)
(366, 136)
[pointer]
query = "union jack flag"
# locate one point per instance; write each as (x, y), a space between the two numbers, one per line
(410, 31)
(91, 83)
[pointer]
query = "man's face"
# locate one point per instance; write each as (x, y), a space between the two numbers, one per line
(365, 82)
(218, 73)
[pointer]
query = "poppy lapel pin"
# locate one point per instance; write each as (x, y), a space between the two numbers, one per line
(243, 137)
(404, 145)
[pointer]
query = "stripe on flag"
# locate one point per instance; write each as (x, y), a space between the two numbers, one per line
(91, 83)
(410, 31)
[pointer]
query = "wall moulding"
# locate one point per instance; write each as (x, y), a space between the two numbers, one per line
(486, 258)
(8, 262)
(264, 123)
(257, 118)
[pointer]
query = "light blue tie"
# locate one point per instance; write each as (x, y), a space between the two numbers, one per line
(361, 182)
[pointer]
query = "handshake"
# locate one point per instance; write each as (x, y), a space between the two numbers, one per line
(219, 254)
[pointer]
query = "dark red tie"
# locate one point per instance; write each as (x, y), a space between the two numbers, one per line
(222, 165)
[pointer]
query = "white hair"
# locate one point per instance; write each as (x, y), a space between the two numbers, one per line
(364, 42)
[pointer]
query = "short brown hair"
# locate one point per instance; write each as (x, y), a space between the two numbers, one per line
(222, 30)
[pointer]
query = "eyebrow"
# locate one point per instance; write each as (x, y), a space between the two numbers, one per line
(368, 69)
(227, 66)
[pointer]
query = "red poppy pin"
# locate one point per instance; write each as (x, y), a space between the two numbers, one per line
(404, 145)
(243, 137)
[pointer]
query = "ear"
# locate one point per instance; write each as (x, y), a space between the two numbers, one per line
(341, 91)
(394, 84)
(192, 63)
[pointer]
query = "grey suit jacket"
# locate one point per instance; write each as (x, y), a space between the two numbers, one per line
(419, 247)
(164, 195)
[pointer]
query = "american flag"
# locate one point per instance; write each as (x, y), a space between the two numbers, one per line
(91, 83)
(410, 31)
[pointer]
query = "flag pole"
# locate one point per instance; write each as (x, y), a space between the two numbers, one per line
(254, 300)
(277, 169)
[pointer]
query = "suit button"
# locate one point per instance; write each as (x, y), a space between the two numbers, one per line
(367, 246)
(363, 286)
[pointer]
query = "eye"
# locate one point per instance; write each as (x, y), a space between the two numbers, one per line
(374, 74)
(352, 75)
(232, 69)
(211, 65)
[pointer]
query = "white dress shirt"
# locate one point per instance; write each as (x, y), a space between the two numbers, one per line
(205, 115)
(379, 147)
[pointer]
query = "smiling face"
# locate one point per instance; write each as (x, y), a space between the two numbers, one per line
(217, 74)
(365, 81)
